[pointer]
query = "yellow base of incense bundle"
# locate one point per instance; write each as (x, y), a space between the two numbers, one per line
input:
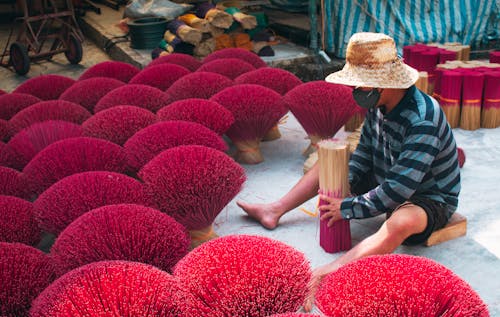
(273, 134)
(490, 118)
(201, 236)
(333, 160)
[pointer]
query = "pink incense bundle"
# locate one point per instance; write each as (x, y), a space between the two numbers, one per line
(249, 57)
(48, 110)
(193, 183)
(87, 92)
(416, 56)
(10, 104)
(495, 57)
(447, 55)
(256, 109)
(31, 140)
(436, 94)
(161, 76)
(407, 54)
(229, 67)
(112, 69)
(142, 96)
(198, 85)
(25, 272)
(428, 61)
(490, 117)
(472, 93)
(117, 124)
(154, 139)
(14, 183)
(184, 60)
(4, 130)
(279, 80)
(202, 111)
(70, 156)
(244, 275)
(112, 288)
(9, 157)
(451, 92)
(114, 232)
(73, 196)
(45, 87)
(333, 160)
(17, 222)
(321, 108)
(397, 285)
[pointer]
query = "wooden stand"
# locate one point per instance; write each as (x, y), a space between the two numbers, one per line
(456, 227)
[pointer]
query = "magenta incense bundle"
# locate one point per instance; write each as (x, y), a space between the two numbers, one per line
(333, 160)
(451, 91)
(490, 116)
(472, 92)
(428, 61)
(495, 57)
(447, 55)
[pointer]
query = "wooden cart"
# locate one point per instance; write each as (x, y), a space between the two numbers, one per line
(46, 28)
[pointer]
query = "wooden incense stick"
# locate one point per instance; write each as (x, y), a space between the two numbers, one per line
(490, 116)
(472, 92)
(451, 90)
(354, 122)
(333, 160)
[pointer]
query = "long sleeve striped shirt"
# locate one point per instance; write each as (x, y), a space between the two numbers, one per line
(409, 152)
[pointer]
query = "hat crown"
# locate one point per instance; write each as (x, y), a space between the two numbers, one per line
(371, 50)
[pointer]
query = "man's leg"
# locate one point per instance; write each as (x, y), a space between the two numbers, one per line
(269, 214)
(406, 221)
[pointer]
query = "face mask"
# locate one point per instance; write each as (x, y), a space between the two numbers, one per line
(366, 98)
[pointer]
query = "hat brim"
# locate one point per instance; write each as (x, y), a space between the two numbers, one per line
(391, 75)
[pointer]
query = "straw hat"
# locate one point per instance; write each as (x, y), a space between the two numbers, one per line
(372, 61)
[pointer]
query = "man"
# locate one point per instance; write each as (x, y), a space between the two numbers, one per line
(405, 165)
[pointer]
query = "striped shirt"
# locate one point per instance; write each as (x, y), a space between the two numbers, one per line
(409, 152)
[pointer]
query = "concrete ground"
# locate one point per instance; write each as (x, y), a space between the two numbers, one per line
(475, 257)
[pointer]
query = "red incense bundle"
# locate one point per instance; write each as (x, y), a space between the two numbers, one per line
(356, 120)
(333, 159)
(437, 85)
(447, 55)
(490, 117)
(451, 90)
(495, 57)
(472, 93)
(429, 59)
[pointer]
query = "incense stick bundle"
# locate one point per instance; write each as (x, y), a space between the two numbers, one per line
(490, 117)
(429, 60)
(447, 55)
(495, 57)
(195, 22)
(451, 90)
(247, 22)
(355, 121)
(472, 93)
(333, 159)
(216, 17)
(437, 86)
(184, 32)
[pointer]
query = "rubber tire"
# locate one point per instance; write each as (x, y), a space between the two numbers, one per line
(74, 53)
(19, 58)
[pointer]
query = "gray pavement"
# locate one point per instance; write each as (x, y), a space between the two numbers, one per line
(474, 257)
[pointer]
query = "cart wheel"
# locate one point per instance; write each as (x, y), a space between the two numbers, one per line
(19, 58)
(74, 53)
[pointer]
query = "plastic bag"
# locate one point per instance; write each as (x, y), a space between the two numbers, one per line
(155, 8)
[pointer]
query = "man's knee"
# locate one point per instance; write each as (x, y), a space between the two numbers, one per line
(407, 220)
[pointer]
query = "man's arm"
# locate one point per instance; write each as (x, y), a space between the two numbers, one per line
(418, 152)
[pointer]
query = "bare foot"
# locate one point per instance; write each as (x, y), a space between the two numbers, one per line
(267, 214)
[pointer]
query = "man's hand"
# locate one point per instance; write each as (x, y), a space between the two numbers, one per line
(331, 210)
(317, 276)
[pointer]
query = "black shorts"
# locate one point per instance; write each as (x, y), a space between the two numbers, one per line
(437, 213)
(437, 217)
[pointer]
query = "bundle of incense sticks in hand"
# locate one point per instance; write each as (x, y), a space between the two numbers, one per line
(333, 160)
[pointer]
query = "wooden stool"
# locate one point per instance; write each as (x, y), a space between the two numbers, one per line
(456, 227)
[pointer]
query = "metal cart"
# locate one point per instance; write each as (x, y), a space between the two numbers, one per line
(47, 28)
